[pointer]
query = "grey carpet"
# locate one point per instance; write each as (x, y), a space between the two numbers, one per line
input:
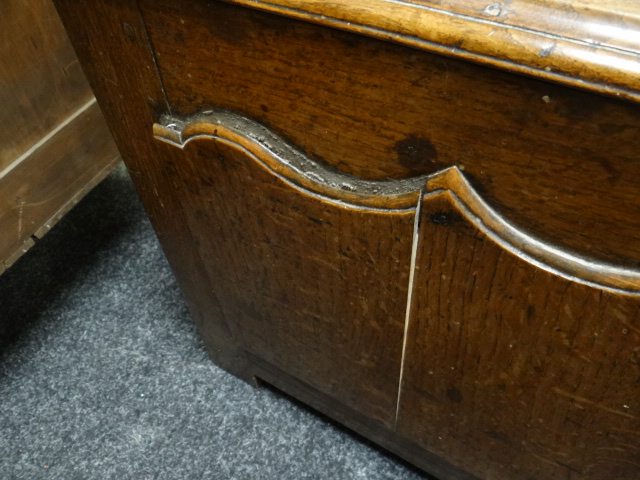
(102, 375)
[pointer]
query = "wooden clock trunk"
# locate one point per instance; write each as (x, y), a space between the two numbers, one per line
(420, 219)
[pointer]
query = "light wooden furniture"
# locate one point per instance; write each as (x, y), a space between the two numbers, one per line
(54, 143)
(419, 217)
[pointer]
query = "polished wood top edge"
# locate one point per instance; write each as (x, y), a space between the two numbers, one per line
(291, 165)
(571, 266)
(604, 23)
(545, 54)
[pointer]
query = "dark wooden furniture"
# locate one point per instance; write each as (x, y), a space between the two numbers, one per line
(54, 143)
(419, 217)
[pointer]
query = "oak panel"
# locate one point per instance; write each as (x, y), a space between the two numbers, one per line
(110, 39)
(558, 40)
(512, 372)
(299, 279)
(559, 163)
(383, 436)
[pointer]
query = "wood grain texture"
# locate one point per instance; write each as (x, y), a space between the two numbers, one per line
(54, 143)
(625, 281)
(289, 164)
(603, 23)
(361, 424)
(300, 172)
(129, 98)
(560, 164)
(297, 277)
(559, 40)
(46, 184)
(41, 81)
(506, 370)
(511, 372)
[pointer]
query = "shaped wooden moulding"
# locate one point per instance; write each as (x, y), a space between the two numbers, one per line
(453, 329)
(300, 172)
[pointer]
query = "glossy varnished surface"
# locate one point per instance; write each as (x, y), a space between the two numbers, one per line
(512, 363)
(521, 374)
(607, 23)
(586, 43)
(298, 279)
(560, 164)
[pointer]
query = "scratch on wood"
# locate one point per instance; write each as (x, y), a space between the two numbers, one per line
(20, 215)
(546, 460)
(326, 263)
(24, 205)
(64, 69)
(586, 401)
(552, 451)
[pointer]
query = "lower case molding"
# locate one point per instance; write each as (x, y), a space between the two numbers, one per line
(48, 182)
(376, 431)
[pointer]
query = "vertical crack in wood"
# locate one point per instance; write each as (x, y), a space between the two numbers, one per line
(154, 56)
(407, 318)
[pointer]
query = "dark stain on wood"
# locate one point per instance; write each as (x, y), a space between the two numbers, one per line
(417, 154)
(319, 309)
(454, 395)
(444, 218)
